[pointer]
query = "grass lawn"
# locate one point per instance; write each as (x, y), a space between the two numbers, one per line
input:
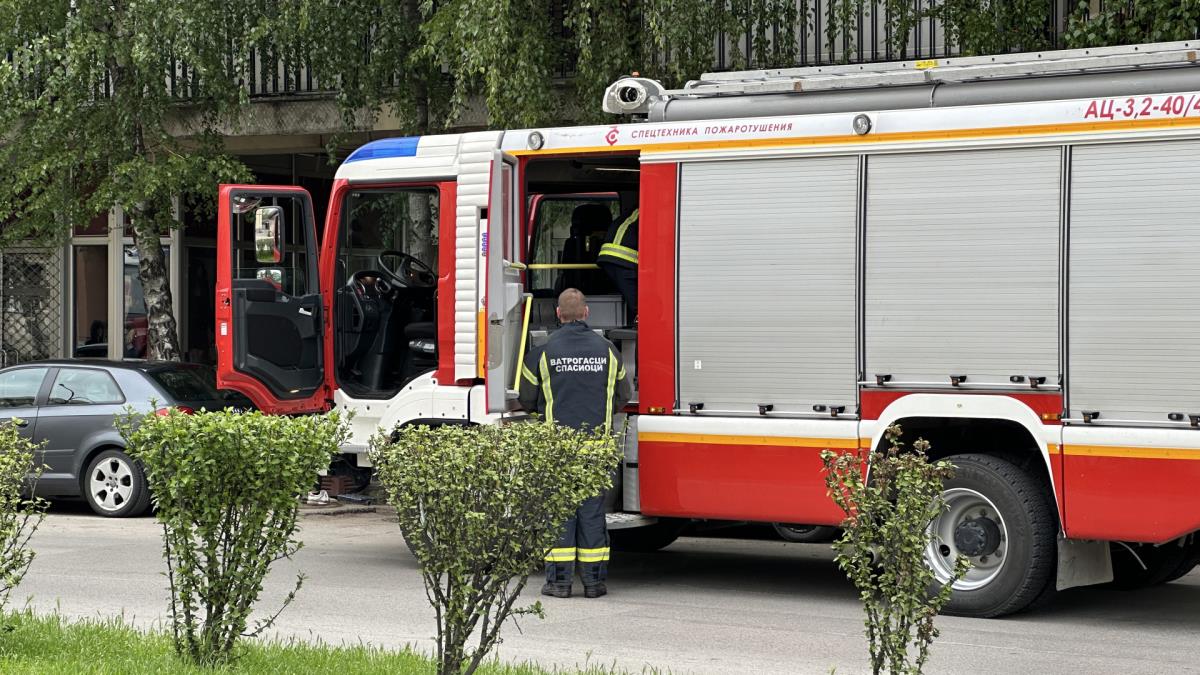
(41, 645)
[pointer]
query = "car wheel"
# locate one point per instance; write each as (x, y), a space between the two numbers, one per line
(115, 485)
(1002, 520)
(805, 534)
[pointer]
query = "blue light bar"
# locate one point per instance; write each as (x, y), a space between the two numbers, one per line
(385, 148)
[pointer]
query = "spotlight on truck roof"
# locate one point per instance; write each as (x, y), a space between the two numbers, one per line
(631, 95)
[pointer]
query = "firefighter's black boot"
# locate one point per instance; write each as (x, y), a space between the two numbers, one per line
(596, 590)
(557, 590)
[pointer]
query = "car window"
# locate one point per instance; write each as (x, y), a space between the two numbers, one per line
(187, 384)
(20, 387)
(79, 386)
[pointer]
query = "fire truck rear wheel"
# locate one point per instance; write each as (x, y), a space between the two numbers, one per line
(1189, 563)
(805, 534)
(648, 538)
(1153, 565)
(1002, 519)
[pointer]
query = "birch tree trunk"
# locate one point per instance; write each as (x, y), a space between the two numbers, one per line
(163, 341)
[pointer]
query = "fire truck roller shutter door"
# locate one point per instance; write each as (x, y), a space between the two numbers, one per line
(1133, 347)
(962, 265)
(1133, 351)
(774, 323)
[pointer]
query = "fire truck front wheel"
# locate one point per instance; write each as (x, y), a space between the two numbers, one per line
(1001, 518)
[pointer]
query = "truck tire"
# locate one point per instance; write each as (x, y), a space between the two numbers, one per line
(646, 539)
(1158, 565)
(1003, 520)
(805, 534)
(1190, 561)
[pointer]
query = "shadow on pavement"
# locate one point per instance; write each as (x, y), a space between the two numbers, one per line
(751, 558)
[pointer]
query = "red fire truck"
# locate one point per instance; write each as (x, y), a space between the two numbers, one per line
(996, 253)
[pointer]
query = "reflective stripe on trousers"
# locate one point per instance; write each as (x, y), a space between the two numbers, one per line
(584, 540)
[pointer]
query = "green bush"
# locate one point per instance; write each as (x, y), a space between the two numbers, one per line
(479, 507)
(20, 514)
(225, 487)
(883, 548)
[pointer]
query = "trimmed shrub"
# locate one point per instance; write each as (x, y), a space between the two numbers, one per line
(225, 489)
(882, 550)
(479, 507)
(20, 514)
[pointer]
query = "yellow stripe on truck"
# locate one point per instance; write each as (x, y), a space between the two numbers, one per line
(897, 137)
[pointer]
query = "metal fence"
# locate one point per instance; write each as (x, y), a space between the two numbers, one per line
(869, 36)
(31, 304)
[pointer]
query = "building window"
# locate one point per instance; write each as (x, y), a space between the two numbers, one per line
(91, 301)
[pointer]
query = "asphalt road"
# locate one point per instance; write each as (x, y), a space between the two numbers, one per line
(703, 605)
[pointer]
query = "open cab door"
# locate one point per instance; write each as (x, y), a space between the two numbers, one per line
(504, 299)
(269, 326)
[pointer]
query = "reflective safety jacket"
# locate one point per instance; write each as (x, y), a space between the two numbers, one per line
(576, 379)
(621, 243)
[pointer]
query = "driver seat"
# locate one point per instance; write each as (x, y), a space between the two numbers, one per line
(420, 330)
(419, 349)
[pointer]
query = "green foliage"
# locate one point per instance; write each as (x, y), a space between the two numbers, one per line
(90, 120)
(883, 548)
(608, 46)
(20, 514)
(978, 27)
(1132, 21)
(479, 507)
(52, 645)
(384, 70)
(504, 50)
(225, 489)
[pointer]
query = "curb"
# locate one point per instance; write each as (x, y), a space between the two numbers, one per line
(339, 510)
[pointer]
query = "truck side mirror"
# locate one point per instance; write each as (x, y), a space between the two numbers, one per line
(268, 234)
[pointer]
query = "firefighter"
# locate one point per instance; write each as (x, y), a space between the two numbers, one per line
(619, 259)
(577, 380)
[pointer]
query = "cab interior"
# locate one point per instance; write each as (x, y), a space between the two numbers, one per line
(385, 330)
(385, 306)
(570, 204)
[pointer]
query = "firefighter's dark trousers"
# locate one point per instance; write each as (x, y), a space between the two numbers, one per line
(584, 539)
(626, 281)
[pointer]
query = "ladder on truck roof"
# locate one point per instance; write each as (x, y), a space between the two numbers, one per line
(950, 69)
(639, 96)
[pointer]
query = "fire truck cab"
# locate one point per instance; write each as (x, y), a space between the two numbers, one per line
(997, 254)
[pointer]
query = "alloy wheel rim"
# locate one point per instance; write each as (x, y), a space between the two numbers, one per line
(111, 483)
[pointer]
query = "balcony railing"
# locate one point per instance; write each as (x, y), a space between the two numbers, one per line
(271, 75)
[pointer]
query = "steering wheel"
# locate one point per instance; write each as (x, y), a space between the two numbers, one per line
(409, 273)
(366, 288)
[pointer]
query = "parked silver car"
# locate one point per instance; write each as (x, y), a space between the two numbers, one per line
(70, 405)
